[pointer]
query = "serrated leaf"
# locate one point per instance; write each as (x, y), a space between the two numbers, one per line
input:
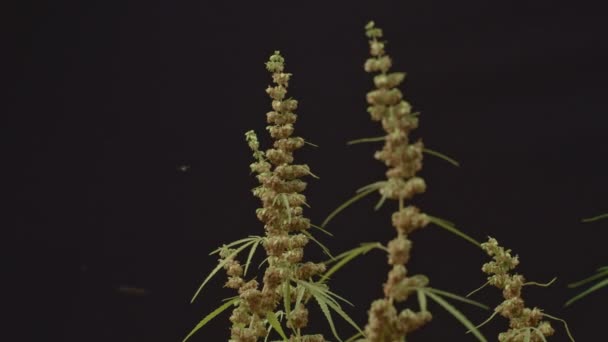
(345, 205)
(338, 309)
(250, 256)
(325, 296)
(596, 276)
(274, 322)
(452, 229)
(237, 242)
(321, 288)
(322, 246)
(457, 297)
(344, 258)
(321, 229)
(457, 314)
(588, 291)
(219, 267)
(324, 308)
(211, 316)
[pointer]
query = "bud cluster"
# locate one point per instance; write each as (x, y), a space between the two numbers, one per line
(513, 308)
(282, 214)
(404, 160)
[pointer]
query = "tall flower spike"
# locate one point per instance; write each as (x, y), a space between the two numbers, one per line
(523, 321)
(281, 212)
(403, 160)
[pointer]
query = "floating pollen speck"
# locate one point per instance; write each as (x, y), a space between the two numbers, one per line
(183, 168)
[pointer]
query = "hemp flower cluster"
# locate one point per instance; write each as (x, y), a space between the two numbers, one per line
(404, 160)
(522, 320)
(282, 214)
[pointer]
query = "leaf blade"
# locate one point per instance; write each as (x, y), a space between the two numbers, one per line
(211, 316)
(274, 322)
(458, 315)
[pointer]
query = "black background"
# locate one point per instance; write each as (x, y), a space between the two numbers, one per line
(106, 100)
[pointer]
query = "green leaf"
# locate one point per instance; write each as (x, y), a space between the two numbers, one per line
(344, 258)
(374, 185)
(287, 298)
(457, 297)
(263, 262)
(588, 291)
(234, 243)
(322, 246)
(421, 300)
(219, 267)
(211, 316)
(380, 203)
(457, 314)
(595, 218)
(441, 156)
(354, 337)
(365, 140)
(452, 229)
(598, 275)
(321, 229)
(286, 204)
(300, 295)
(327, 313)
(250, 256)
(274, 322)
(346, 204)
(527, 336)
(324, 298)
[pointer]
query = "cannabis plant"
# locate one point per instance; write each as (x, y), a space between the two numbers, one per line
(277, 305)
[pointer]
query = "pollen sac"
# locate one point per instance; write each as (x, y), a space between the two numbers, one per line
(281, 78)
(277, 92)
(390, 80)
(289, 172)
(377, 112)
(280, 118)
(387, 97)
(289, 144)
(409, 219)
(278, 157)
(399, 251)
(280, 131)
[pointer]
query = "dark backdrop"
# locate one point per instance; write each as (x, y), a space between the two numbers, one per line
(125, 162)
